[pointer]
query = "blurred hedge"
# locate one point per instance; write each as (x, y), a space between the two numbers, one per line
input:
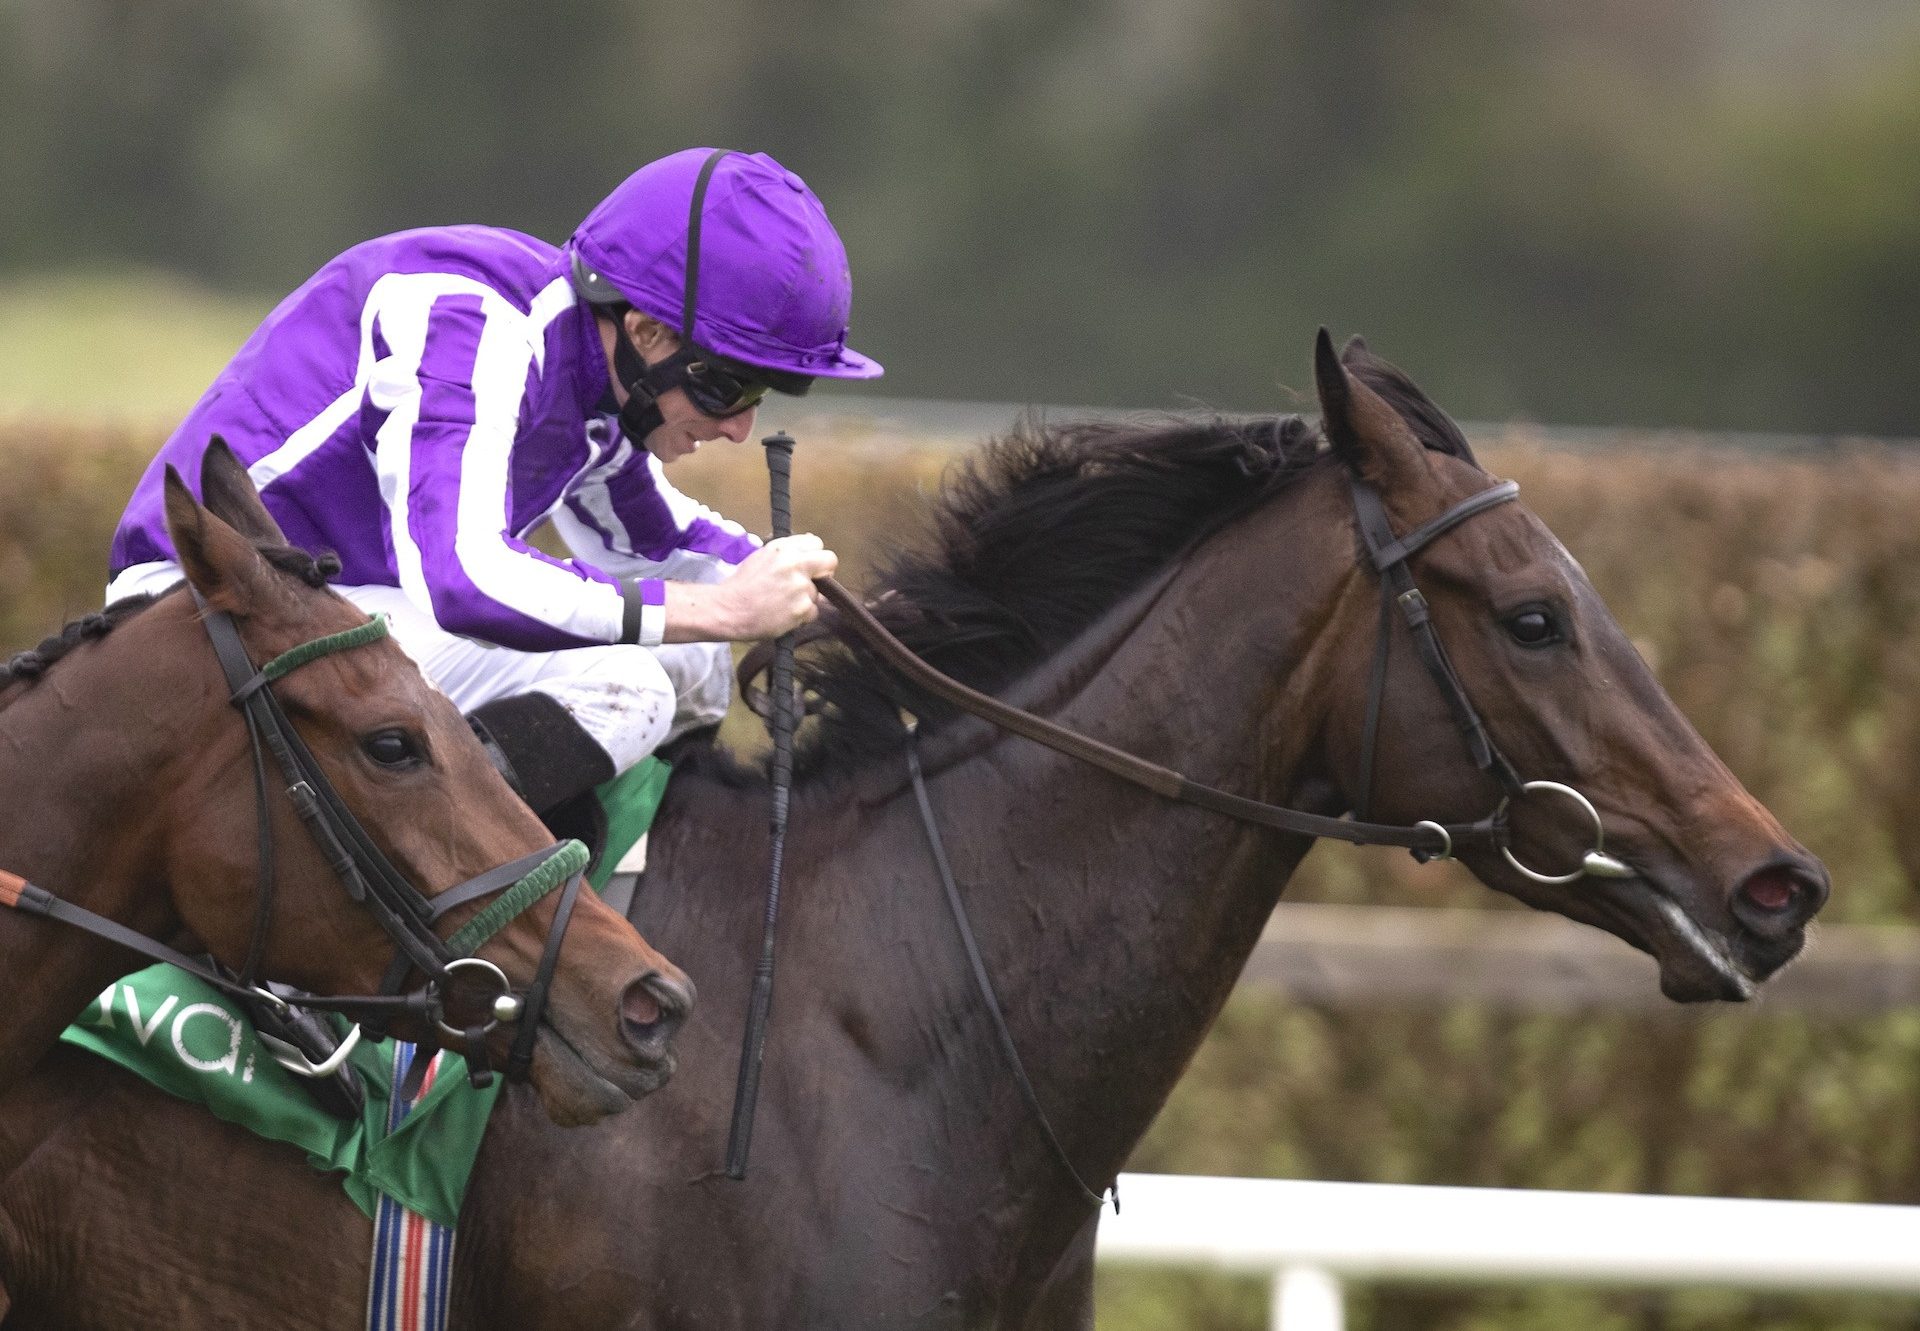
(1778, 599)
(61, 491)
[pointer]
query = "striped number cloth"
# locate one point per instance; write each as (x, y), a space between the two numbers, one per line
(412, 1256)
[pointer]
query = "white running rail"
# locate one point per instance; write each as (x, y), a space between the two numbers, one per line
(1309, 1237)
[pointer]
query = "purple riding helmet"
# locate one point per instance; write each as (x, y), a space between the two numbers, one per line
(736, 253)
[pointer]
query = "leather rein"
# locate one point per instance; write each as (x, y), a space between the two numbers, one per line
(402, 911)
(1428, 840)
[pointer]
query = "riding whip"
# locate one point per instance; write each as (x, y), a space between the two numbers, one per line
(781, 721)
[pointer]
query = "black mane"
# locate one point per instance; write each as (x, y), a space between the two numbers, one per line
(1045, 529)
(25, 667)
(1033, 539)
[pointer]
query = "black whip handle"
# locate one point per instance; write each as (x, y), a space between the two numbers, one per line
(753, 1044)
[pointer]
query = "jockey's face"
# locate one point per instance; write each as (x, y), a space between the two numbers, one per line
(684, 427)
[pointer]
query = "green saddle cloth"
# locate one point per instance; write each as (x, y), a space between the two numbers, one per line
(630, 800)
(192, 1041)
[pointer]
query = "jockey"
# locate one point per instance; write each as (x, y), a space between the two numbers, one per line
(427, 399)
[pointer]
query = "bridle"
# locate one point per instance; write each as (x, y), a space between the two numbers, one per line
(1426, 839)
(405, 914)
(1389, 556)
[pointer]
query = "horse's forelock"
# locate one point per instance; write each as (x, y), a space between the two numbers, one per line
(314, 570)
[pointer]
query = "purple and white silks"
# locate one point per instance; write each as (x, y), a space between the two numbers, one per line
(418, 407)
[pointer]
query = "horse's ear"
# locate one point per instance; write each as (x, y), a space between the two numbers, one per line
(221, 564)
(231, 496)
(1366, 434)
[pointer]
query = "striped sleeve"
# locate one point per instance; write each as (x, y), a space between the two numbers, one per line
(624, 516)
(452, 387)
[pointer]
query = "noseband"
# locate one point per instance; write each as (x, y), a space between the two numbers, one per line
(406, 915)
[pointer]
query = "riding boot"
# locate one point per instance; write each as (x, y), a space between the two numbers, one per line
(550, 761)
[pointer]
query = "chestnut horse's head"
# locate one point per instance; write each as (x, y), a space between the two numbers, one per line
(1704, 879)
(407, 766)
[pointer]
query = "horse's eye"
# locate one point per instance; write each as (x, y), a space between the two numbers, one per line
(1534, 627)
(392, 748)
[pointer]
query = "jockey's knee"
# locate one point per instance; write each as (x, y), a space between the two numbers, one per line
(702, 677)
(622, 697)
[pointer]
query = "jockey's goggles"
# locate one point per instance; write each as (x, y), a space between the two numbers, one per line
(719, 389)
(714, 385)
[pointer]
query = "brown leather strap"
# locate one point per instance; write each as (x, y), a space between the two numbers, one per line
(28, 899)
(991, 999)
(758, 660)
(1140, 772)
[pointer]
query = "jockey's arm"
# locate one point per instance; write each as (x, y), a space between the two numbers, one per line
(444, 456)
(702, 577)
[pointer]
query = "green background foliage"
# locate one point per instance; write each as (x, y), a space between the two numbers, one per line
(1631, 212)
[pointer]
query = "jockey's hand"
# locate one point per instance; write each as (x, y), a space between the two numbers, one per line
(767, 594)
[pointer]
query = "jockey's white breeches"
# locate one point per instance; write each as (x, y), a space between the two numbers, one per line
(631, 700)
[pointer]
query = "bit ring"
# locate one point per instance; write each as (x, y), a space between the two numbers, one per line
(1446, 840)
(1599, 836)
(506, 991)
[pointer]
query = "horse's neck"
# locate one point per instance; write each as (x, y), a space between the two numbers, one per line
(1112, 922)
(78, 776)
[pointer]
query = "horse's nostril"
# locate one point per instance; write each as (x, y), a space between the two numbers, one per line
(652, 1009)
(638, 1007)
(1779, 898)
(1771, 889)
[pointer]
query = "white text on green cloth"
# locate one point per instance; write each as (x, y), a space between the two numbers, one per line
(206, 1038)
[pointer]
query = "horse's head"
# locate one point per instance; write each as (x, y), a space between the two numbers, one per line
(406, 764)
(1708, 882)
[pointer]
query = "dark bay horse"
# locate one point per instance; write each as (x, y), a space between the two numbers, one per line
(128, 788)
(1190, 592)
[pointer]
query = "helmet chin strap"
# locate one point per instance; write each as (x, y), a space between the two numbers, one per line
(640, 415)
